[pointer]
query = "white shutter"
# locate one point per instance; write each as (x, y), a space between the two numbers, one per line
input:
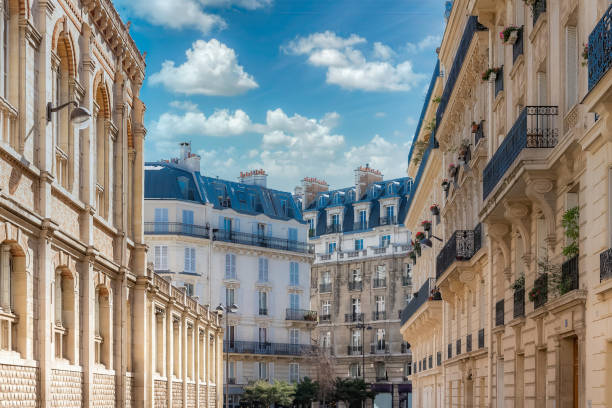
(163, 258)
(193, 260)
(187, 260)
(221, 222)
(157, 257)
(571, 66)
(233, 265)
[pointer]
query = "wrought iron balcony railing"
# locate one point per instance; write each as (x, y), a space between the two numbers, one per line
(325, 287)
(600, 48)
(519, 303)
(331, 229)
(499, 81)
(481, 338)
(325, 318)
(353, 317)
(461, 246)
(534, 128)
(379, 348)
(517, 47)
(499, 313)
(360, 226)
(605, 265)
(263, 241)
(427, 292)
(301, 315)
(354, 350)
(569, 274)
(255, 347)
(379, 315)
(176, 228)
(355, 285)
(538, 7)
(540, 286)
(388, 220)
(379, 282)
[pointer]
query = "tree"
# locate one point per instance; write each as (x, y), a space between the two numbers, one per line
(263, 393)
(306, 392)
(352, 391)
(323, 366)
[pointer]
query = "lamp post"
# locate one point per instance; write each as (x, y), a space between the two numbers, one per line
(363, 328)
(79, 116)
(227, 310)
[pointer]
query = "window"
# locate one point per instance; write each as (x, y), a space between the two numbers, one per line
(326, 339)
(331, 248)
(64, 315)
(261, 230)
(102, 324)
(326, 277)
(230, 266)
(187, 222)
(263, 269)
(390, 189)
(356, 337)
(326, 308)
(283, 204)
(381, 372)
(161, 258)
(380, 339)
(230, 296)
(355, 370)
(190, 260)
(336, 219)
(311, 224)
(390, 213)
(571, 66)
(385, 240)
(294, 372)
(321, 201)
(263, 303)
(407, 369)
(294, 301)
(356, 275)
(407, 275)
(362, 219)
(230, 335)
(381, 272)
(161, 220)
(263, 334)
(188, 289)
(294, 336)
(232, 371)
(262, 370)
(294, 274)
(292, 234)
(104, 154)
(358, 244)
(356, 305)
(380, 303)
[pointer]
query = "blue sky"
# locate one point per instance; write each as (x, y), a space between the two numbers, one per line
(297, 87)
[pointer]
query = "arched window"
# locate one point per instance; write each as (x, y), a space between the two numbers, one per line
(12, 301)
(63, 129)
(101, 116)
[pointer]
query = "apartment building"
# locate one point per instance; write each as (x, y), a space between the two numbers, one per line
(239, 243)
(83, 320)
(362, 278)
(520, 164)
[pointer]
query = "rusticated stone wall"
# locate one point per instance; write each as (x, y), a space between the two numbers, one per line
(202, 396)
(160, 394)
(18, 386)
(129, 386)
(212, 396)
(177, 394)
(191, 396)
(104, 391)
(66, 388)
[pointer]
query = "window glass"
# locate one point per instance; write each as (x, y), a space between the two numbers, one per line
(294, 274)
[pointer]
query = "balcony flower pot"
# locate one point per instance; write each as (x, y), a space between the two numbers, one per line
(510, 34)
(445, 185)
(585, 54)
(420, 235)
(426, 225)
(435, 210)
(490, 74)
(452, 170)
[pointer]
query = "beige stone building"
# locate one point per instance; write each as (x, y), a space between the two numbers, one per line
(83, 320)
(522, 282)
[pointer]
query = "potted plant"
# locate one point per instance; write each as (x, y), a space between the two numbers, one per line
(417, 245)
(420, 235)
(452, 170)
(536, 293)
(435, 209)
(585, 54)
(445, 185)
(519, 283)
(490, 74)
(426, 225)
(509, 34)
(435, 294)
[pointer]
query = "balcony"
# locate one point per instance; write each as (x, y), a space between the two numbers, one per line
(263, 241)
(354, 350)
(461, 246)
(420, 298)
(499, 313)
(605, 265)
(569, 275)
(481, 338)
(540, 286)
(325, 287)
(360, 226)
(333, 229)
(538, 7)
(254, 347)
(379, 283)
(519, 303)
(176, 228)
(517, 47)
(301, 315)
(499, 81)
(379, 315)
(468, 343)
(353, 317)
(380, 250)
(379, 348)
(355, 285)
(325, 318)
(600, 49)
(534, 129)
(388, 220)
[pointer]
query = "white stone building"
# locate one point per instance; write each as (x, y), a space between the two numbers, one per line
(236, 243)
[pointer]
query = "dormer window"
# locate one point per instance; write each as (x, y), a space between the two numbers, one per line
(336, 219)
(337, 198)
(390, 189)
(321, 201)
(283, 204)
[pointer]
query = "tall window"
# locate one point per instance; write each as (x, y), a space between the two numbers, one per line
(390, 213)
(381, 271)
(190, 260)
(331, 248)
(571, 66)
(102, 319)
(294, 336)
(355, 370)
(161, 258)
(4, 30)
(356, 305)
(335, 219)
(362, 219)
(311, 224)
(263, 269)
(356, 337)
(230, 266)
(294, 301)
(385, 240)
(380, 339)
(380, 303)
(407, 275)
(263, 334)
(63, 128)
(294, 274)
(381, 372)
(230, 296)
(262, 370)
(358, 244)
(326, 308)
(103, 151)
(326, 277)
(356, 275)
(64, 315)
(294, 372)
(263, 303)
(187, 226)
(326, 339)
(161, 220)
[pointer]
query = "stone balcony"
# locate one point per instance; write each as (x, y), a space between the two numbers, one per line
(422, 314)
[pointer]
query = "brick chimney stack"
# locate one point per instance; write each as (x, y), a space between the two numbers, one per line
(257, 177)
(311, 187)
(364, 178)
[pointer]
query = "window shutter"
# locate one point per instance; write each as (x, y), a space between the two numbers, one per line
(193, 260)
(571, 68)
(236, 224)
(228, 266)
(269, 230)
(266, 269)
(164, 258)
(271, 371)
(157, 257)
(221, 223)
(187, 267)
(233, 264)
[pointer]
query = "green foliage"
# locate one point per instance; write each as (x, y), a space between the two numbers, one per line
(419, 150)
(519, 283)
(265, 393)
(571, 224)
(351, 391)
(431, 126)
(437, 99)
(306, 392)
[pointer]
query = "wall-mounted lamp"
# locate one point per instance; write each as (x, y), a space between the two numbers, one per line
(79, 116)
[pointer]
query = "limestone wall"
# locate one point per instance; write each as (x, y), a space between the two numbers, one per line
(66, 388)
(18, 386)
(159, 394)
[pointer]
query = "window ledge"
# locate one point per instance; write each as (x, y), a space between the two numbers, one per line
(603, 291)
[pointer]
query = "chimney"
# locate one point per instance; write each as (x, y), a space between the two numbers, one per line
(254, 178)
(188, 160)
(364, 178)
(311, 187)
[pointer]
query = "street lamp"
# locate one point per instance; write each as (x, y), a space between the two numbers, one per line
(228, 309)
(427, 242)
(363, 327)
(79, 116)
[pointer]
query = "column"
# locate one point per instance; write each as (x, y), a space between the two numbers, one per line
(87, 334)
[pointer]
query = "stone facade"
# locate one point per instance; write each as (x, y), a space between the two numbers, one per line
(521, 280)
(78, 302)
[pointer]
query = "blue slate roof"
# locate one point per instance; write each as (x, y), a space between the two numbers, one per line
(346, 197)
(168, 181)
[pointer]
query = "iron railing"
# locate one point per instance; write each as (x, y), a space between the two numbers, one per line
(499, 313)
(600, 48)
(423, 295)
(519, 303)
(353, 317)
(379, 315)
(406, 281)
(534, 128)
(461, 246)
(538, 7)
(379, 348)
(517, 47)
(472, 26)
(354, 350)
(541, 286)
(333, 228)
(255, 347)
(355, 285)
(360, 226)
(499, 81)
(301, 315)
(605, 265)
(176, 228)
(325, 318)
(468, 343)
(458, 346)
(569, 274)
(325, 287)
(388, 220)
(379, 282)
(311, 233)
(263, 311)
(263, 241)
(481, 338)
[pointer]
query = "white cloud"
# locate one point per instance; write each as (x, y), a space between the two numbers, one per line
(349, 68)
(184, 105)
(381, 154)
(211, 68)
(222, 123)
(380, 114)
(246, 4)
(429, 42)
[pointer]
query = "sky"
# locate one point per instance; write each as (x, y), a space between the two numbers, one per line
(300, 88)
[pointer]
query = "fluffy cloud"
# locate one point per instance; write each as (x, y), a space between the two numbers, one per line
(429, 42)
(179, 14)
(211, 68)
(349, 68)
(382, 154)
(184, 105)
(222, 123)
